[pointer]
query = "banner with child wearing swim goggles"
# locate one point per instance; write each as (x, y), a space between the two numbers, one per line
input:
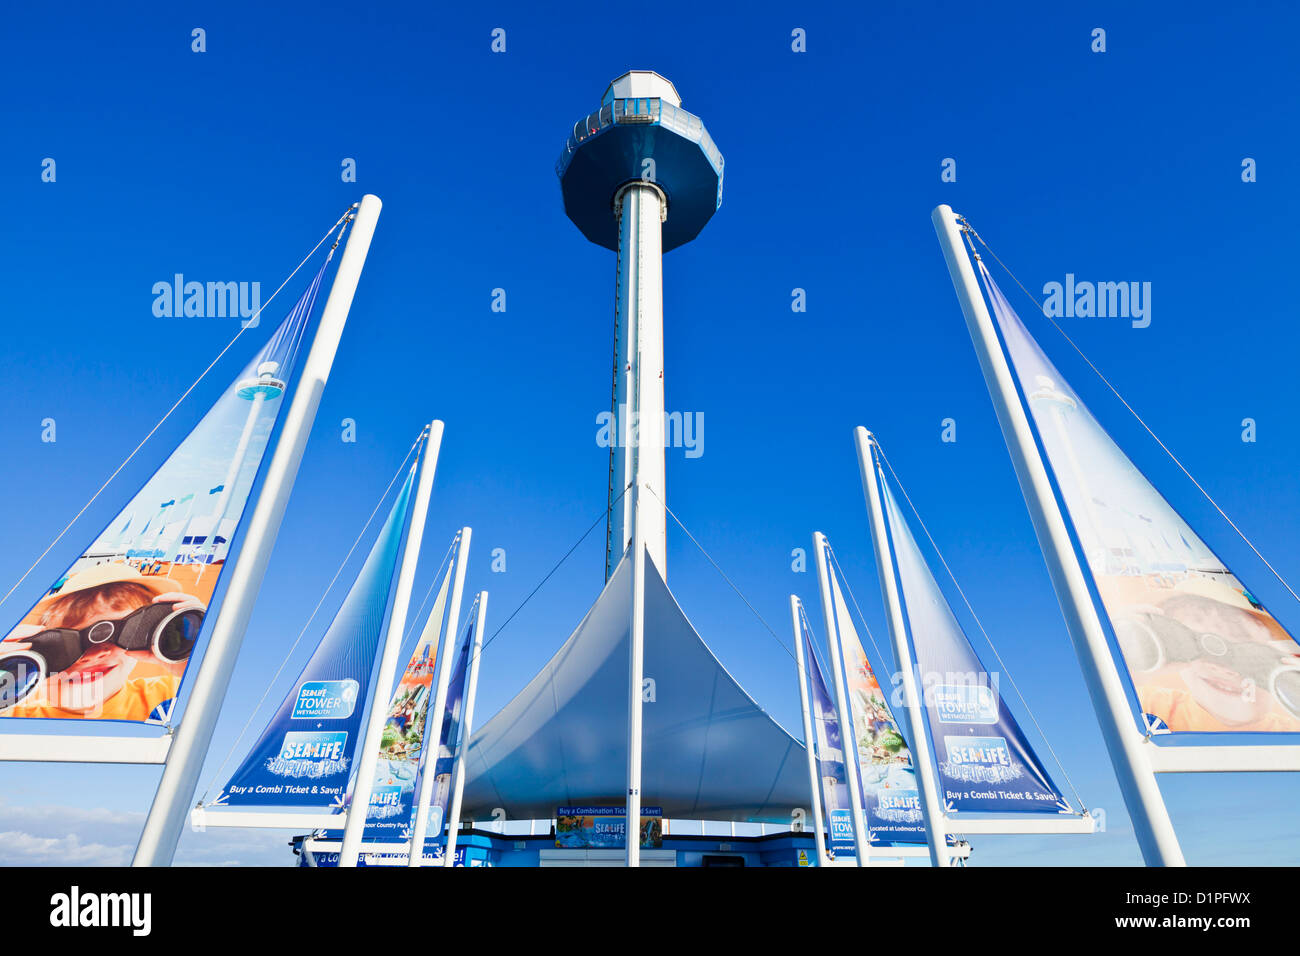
(112, 637)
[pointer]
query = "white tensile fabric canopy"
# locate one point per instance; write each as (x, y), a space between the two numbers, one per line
(709, 752)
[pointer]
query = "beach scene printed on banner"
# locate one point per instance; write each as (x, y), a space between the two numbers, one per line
(111, 638)
(399, 749)
(392, 797)
(1202, 652)
(890, 796)
(448, 738)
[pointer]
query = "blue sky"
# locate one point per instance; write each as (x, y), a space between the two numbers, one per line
(225, 165)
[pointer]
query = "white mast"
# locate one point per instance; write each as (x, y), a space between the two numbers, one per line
(433, 716)
(162, 828)
(1151, 823)
(931, 800)
(466, 729)
(808, 739)
(367, 752)
(848, 732)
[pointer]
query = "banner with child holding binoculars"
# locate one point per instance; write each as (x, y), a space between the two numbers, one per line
(112, 637)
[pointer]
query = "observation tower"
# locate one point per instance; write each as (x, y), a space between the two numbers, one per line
(640, 176)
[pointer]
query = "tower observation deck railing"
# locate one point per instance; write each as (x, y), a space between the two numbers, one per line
(640, 111)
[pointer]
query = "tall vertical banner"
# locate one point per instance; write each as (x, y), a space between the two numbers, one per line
(304, 756)
(829, 749)
(444, 758)
(112, 637)
(985, 763)
(890, 796)
(1203, 654)
(392, 798)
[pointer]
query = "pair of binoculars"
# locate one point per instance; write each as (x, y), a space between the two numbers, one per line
(163, 628)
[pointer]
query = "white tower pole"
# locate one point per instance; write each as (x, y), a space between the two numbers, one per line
(639, 381)
(848, 732)
(433, 717)
(808, 740)
(1151, 823)
(931, 799)
(162, 828)
(639, 392)
(367, 752)
(466, 729)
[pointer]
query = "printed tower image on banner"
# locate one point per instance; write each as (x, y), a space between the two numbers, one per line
(1202, 652)
(112, 637)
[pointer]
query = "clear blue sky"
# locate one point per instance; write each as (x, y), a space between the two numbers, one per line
(226, 166)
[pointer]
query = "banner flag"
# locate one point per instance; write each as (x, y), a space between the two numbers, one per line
(985, 763)
(445, 755)
(1203, 654)
(392, 798)
(112, 637)
(304, 756)
(828, 749)
(891, 798)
